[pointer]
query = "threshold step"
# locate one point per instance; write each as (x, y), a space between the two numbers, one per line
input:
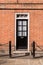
(19, 52)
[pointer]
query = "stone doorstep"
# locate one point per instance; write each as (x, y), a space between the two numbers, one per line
(21, 52)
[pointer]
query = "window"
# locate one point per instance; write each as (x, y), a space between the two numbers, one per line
(19, 23)
(19, 28)
(19, 33)
(22, 20)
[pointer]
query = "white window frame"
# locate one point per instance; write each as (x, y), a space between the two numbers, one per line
(28, 27)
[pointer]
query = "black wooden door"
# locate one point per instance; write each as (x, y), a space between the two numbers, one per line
(21, 33)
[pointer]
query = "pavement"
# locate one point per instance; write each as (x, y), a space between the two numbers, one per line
(20, 60)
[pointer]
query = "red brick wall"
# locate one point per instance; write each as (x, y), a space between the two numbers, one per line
(7, 21)
(30, 1)
(8, 1)
(21, 1)
(7, 25)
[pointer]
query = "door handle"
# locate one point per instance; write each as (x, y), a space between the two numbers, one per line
(22, 37)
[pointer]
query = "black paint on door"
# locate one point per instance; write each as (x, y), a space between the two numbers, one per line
(21, 33)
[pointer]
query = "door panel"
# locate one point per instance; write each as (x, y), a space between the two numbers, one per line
(21, 33)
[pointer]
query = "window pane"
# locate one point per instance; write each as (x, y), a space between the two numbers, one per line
(24, 22)
(19, 28)
(24, 28)
(19, 22)
(22, 15)
(19, 33)
(24, 33)
(17, 15)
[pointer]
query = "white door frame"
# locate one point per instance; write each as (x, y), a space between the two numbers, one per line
(28, 28)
